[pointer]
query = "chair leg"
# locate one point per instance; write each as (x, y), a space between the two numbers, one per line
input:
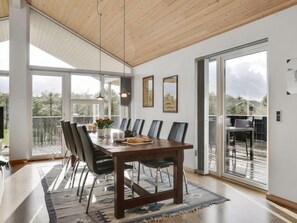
(82, 187)
(246, 146)
(66, 168)
(143, 169)
(161, 178)
(151, 172)
(76, 167)
(90, 195)
(156, 180)
(186, 181)
(168, 177)
(138, 172)
(65, 154)
(132, 182)
(81, 175)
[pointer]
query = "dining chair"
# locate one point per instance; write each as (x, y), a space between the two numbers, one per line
(66, 129)
(177, 133)
(155, 129)
(154, 132)
(138, 126)
(72, 145)
(96, 168)
(125, 124)
(80, 152)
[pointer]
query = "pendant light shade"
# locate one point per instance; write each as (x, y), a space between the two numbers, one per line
(100, 97)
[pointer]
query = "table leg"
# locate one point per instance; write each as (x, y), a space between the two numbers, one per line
(119, 187)
(178, 177)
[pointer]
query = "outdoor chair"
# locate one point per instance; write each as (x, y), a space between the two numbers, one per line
(242, 123)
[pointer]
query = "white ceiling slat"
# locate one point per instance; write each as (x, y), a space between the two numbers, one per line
(67, 47)
(153, 27)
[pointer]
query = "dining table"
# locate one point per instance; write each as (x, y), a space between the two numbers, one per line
(122, 152)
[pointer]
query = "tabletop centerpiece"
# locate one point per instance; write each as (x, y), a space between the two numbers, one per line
(104, 127)
(108, 124)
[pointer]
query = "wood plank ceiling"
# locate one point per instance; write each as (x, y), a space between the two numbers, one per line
(154, 27)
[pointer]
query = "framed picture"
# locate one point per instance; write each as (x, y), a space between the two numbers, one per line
(170, 94)
(148, 91)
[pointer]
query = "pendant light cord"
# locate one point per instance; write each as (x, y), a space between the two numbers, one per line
(100, 45)
(100, 20)
(124, 39)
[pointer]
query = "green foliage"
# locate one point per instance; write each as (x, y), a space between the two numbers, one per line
(48, 104)
(239, 105)
(4, 101)
(5, 141)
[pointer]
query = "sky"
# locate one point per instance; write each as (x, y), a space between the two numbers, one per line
(246, 76)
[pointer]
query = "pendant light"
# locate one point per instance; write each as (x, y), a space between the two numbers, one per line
(100, 97)
(124, 93)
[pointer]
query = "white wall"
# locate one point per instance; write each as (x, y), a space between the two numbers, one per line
(281, 31)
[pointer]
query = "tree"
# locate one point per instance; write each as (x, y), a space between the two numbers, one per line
(48, 104)
(4, 101)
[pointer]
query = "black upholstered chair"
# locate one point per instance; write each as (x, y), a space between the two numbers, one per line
(96, 168)
(155, 129)
(177, 133)
(69, 141)
(138, 126)
(154, 132)
(125, 124)
(80, 152)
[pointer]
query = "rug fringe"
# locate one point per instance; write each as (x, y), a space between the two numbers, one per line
(167, 216)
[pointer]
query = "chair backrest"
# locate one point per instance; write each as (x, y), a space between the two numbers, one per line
(178, 131)
(77, 141)
(65, 134)
(155, 129)
(125, 124)
(243, 123)
(88, 147)
(138, 126)
(69, 137)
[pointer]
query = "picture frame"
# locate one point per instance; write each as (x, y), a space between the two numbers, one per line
(148, 91)
(170, 94)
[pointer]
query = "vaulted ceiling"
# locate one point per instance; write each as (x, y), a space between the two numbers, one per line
(153, 27)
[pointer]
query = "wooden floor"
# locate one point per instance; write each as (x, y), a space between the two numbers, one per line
(23, 200)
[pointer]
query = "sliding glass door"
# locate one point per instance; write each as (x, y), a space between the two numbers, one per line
(237, 100)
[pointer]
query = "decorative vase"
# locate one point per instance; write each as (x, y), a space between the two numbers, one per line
(108, 133)
(100, 133)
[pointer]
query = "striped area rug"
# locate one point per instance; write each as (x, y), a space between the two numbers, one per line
(63, 205)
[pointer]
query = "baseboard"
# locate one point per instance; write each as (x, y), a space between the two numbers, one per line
(281, 201)
(188, 169)
(18, 161)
